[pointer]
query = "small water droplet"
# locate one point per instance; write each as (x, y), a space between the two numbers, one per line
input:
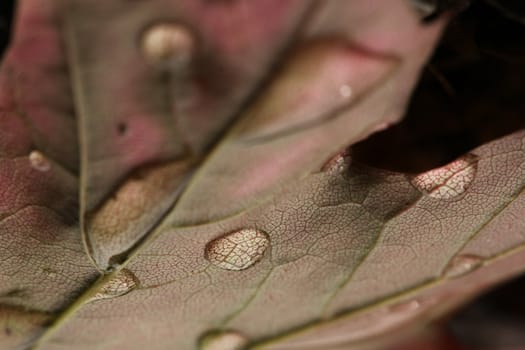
(226, 340)
(168, 43)
(338, 163)
(38, 161)
(424, 8)
(405, 307)
(448, 181)
(461, 265)
(345, 91)
(237, 250)
(122, 283)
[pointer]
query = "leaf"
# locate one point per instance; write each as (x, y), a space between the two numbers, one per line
(133, 112)
(218, 207)
(43, 264)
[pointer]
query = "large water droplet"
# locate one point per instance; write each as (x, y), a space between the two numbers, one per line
(448, 181)
(168, 43)
(461, 265)
(237, 250)
(227, 340)
(38, 161)
(122, 283)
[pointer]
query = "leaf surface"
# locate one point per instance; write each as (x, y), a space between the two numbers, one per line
(135, 112)
(43, 266)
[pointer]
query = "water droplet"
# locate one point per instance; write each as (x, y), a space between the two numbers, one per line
(405, 307)
(461, 265)
(38, 161)
(122, 283)
(237, 250)
(338, 163)
(168, 43)
(448, 181)
(227, 340)
(345, 91)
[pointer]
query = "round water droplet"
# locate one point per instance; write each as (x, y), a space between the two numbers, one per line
(461, 265)
(338, 163)
(345, 91)
(38, 161)
(227, 340)
(448, 181)
(122, 283)
(237, 250)
(168, 43)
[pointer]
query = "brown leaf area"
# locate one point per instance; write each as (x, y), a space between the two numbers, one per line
(174, 175)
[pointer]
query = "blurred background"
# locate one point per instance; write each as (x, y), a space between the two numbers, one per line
(472, 91)
(6, 15)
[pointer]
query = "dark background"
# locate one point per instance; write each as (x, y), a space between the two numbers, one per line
(6, 11)
(473, 91)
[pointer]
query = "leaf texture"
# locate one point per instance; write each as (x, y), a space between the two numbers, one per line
(360, 249)
(133, 113)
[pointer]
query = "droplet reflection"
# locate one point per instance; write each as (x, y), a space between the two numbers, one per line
(237, 250)
(168, 43)
(461, 265)
(448, 181)
(123, 282)
(38, 161)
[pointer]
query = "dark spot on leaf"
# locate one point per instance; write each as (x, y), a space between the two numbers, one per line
(122, 128)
